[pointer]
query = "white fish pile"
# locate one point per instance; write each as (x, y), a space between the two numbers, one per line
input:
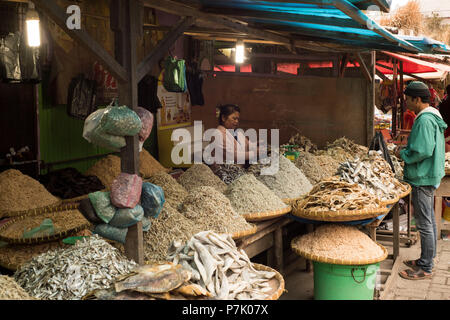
(447, 161)
(69, 274)
(218, 266)
(371, 175)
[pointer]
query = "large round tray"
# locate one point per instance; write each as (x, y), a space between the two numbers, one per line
(314, 257)
(276, 283)
(261, 216)
(404, 194)
(241, 234)
(338, 216)
(290, 201)
(62, 230)
(23, 212)
(390, 202)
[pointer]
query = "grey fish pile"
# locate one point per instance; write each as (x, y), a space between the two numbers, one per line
(69, 274)
(228, 172)
(218, 266)
(369, 177)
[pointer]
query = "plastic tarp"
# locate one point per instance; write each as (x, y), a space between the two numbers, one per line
(412, 65)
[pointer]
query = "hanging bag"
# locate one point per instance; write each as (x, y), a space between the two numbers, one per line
(174, 79)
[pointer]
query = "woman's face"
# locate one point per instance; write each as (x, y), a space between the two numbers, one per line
(232, 121)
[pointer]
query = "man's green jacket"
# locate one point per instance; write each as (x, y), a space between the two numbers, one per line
(424, 154)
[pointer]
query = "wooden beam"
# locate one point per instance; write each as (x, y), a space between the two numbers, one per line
(353, 12)
(51, 9)
(180, 9)
(362, 5)
(363, 67)
(381, 75)
(343, 65)
(163, 46)
(370, 99)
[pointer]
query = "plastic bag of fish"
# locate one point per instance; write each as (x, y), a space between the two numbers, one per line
(218, 266)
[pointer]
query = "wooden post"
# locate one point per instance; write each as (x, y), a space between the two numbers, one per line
(370, 99)
(396, 230)
(394, 107)
(125, 25)
(402, 97)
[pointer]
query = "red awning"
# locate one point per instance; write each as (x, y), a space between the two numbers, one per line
(412, 65)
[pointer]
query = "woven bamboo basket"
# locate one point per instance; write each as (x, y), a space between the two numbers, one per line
(404, 194)
(62, 232)
(244, 233)
(340, 216)
(23, 212)
(290, 201)
(390, 202)
(261, 216)
(322, 259)
(277, 284)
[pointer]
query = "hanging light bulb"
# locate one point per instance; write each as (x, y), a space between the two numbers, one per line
(239, 51)
(32, 21)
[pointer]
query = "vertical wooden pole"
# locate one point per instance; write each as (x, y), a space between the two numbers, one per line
(396, 229)
(125, 23)
(402, 98)
(394, 107)
(370, 100)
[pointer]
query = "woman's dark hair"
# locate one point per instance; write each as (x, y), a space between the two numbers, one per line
(227, 109)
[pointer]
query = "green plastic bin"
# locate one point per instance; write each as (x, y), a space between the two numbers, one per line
(344, 282)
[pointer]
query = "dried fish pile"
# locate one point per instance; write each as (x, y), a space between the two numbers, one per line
(335, 241)
(289, 182)
(397, 162)
(174, 193)
(338, 153)
(170, 225)
(328, 164)
(149, 165)
(228, 172)
(218, 266)
(373, 174)
(447, 161)
(335, 195)
(349, 146)
(310, 167)
(69, 274)
(10, 290)
(248, 195)
(302, 142)
(106, 169)
(21, 192)
(199, 175)
(211, 210)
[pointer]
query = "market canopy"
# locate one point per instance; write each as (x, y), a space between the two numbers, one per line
(340, 23)
(411, 65)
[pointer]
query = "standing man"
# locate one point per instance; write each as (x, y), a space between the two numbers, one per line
(424, 158)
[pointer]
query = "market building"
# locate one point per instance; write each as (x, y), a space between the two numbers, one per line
(122, 160)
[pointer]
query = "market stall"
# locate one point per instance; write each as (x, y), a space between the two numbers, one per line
(114, 231)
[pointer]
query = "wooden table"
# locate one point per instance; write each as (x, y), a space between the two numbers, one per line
(442, 191)
(268, 237)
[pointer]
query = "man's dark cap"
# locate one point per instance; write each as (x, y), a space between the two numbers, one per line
(417, 89)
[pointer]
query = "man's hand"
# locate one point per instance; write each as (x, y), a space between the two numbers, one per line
(397, 151)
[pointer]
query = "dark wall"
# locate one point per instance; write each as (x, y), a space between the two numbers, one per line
(324, 109)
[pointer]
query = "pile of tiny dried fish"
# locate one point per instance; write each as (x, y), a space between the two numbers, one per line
(338, 153)
(10, 290)
(218, 266)
(328, 164)
(174, 193)
(288, 183)
(373, 174)
(335, 241)
(349, 146)
(447, 161)
(397, 162)
(211, 210)
(170, 225)
(248, 195)
(71, 273)
(302, 142)
(228, 172)
(310, 167)
(199, 175)
(335, 195)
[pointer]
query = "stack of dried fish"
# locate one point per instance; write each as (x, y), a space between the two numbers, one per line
(248, 195)
(335, 195)
(10, 290)
(447, 161)
(174, 193)
(228, 172)
(170, 225)
(201, 175)
(338, 153)
(218, 266)
(302, 142)
(373, 174)
(349, 146)
(397, 162)
(288, 182)
(162, 280)
(211, 210)
(310, 167)
(328, 164)
(69, 274)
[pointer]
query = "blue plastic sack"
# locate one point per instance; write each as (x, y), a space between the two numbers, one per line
(101, 202)
(125, 218)
(152, 199)
(146, 224)
(112, 233)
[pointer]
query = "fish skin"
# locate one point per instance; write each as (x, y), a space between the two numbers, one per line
(206, 258)
(192, 289)
(201, 269)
